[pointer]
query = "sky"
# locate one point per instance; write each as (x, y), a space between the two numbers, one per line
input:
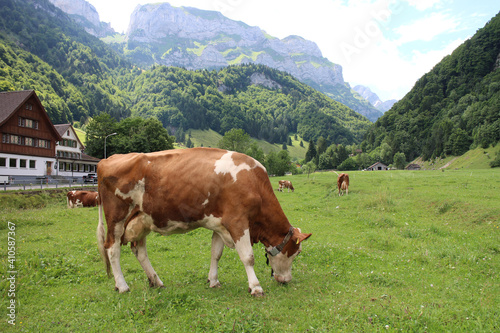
(386, 45)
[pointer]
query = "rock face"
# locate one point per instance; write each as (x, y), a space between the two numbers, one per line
(199, 39)
(86, 15)
(374, 100)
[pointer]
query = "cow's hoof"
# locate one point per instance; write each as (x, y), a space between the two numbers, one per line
(215, 284)
(123, 290)
(256, 292)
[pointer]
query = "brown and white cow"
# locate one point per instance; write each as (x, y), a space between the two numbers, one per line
(176, 191)
(343, 183)
(285, 184)
(81, 199)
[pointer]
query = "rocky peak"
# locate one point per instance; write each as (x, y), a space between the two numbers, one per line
(373, 98)
(200, 39)
(86, 15)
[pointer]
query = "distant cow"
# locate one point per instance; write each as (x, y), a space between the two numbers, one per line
(176, 191)
(343, 183)
(285, 184)
(81, 199)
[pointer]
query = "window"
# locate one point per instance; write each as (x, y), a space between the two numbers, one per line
(32, 164)
(3, 162)
(13, 163)
(29, 106)
(22, 163)
(29, 141)
(30, 123)
(43, 143)
(14, 139)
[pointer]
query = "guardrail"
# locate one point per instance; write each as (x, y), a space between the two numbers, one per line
(43, 184)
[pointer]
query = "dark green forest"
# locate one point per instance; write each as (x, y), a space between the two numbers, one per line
(78, 77)
(453, 108)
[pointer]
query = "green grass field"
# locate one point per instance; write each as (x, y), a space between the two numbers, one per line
(210, 138)
(414, 251)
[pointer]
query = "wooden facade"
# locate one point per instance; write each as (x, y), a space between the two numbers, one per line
(25, 126)
(28, 137)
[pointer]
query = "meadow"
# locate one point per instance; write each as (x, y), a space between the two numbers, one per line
(410, 251)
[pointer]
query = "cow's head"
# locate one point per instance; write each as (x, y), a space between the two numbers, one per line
(281, 261)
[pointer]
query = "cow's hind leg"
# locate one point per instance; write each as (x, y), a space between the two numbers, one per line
(140, 251)
(217, 248)
(114, 257)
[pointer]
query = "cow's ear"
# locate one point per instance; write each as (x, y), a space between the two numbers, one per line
(300, 236)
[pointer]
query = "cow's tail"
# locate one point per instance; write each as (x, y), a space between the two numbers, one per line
(101, 234)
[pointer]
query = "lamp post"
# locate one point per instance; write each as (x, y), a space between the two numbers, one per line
(105, 142)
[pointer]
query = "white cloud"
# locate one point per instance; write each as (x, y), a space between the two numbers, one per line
(427, 28)
(423, 4)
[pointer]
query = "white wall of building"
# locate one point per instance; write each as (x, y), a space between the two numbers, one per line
(22, 165)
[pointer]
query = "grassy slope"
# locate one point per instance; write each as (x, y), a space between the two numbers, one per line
(81, 135)
(211, 138)
(478, 158)
(404, 251)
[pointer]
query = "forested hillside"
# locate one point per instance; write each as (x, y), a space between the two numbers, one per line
(266, 103)
(77, 77)
(451, 109)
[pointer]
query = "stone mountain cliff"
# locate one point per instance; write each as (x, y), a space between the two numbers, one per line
(197, 39)
(85, 14)
(373, 98)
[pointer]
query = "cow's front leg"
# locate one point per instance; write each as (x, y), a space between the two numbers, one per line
(245, 251)
(217, 248)
(141, 253)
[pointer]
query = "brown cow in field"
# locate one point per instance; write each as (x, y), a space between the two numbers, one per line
(343, 184)
(285, 184)
(176, 191)
(81, 199)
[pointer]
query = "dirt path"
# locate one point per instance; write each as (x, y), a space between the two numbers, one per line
(448, 164)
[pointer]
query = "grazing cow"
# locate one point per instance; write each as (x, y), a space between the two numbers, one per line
(343, 183)
(81, 199)
(176, 191)
(285, 184)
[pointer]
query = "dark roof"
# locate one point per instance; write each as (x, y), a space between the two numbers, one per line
(86, 157)
(11, 101)
(62, 128)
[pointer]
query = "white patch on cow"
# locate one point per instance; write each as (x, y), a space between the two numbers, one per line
(206, 200)
(226, 165)
(245, 251)
(136, 194)
(114, 259)
(209, 222)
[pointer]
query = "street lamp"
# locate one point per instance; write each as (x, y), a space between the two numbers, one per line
(105, 142)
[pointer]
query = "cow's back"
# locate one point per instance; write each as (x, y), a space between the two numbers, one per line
(184, 185)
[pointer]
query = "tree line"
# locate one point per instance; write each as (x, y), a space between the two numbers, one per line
(453, 108)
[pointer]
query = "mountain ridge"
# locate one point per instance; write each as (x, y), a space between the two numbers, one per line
(373, 98)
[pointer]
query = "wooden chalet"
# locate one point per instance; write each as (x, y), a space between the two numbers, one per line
(377, 166)
(412, 166)
(71, 160)
(28, 146)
